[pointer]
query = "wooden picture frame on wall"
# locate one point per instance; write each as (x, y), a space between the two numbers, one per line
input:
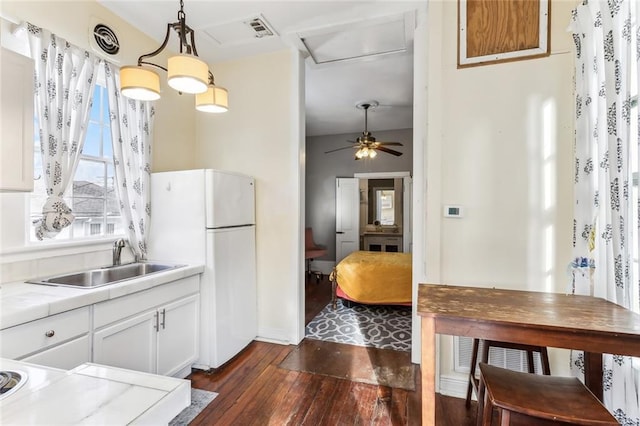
(494, 31)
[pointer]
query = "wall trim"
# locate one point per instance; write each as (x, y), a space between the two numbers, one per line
(454, 384)
(381, 175)
(324, 266)
(274, 335)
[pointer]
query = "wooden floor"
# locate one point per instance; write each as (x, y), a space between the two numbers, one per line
(254, 390)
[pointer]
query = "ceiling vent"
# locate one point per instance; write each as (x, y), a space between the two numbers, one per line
(245, 31)
(260, 27)
(104, 40)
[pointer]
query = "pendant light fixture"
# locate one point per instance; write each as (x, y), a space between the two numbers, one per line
(186, 73)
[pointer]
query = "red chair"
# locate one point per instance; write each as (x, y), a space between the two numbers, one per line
(312, 251)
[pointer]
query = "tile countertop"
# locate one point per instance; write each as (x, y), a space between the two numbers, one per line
(101, 395)
(21, 302)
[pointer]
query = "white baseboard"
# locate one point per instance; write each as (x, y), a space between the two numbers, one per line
(324, 266)
(272, 335)
(454, 384)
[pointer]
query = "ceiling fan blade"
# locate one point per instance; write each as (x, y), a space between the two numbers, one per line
(389, 143)
(389, 151)
(340, 149)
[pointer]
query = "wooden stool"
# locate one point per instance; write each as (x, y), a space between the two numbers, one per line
(487, 344)
(547, 399)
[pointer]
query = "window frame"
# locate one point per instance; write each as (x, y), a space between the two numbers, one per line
(104, 158)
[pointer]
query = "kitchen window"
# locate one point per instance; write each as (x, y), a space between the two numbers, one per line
(92, 197)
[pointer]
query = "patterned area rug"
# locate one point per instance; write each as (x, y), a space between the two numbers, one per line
(383, 327)
(199, 400)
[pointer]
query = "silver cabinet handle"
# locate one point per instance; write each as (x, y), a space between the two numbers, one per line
(164, 313)
(49, 333)
(157, 326)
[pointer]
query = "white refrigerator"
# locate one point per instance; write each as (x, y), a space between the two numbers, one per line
(208, 217)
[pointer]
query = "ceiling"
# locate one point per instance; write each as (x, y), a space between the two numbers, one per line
(355, 51)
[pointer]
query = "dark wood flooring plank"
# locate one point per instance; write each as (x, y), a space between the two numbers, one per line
(257, 404)
(337, 405)
(318, 408)
(253, 390)
(232, 381)
(295, 384)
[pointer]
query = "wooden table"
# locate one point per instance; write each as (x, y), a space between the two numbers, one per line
(591, 324)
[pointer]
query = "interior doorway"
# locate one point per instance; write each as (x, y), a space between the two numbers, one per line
(419, 132)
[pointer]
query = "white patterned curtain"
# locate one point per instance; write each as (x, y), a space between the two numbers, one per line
(131, 125)
(603, 238)
(64, 82)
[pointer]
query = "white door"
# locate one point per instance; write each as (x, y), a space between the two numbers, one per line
(178, 335)
(130, 343)
(347, 217)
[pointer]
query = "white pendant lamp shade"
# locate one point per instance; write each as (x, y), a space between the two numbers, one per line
(187, 74)
(139, 83)
(215, 99)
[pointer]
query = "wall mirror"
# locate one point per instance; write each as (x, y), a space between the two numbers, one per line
(380, 205)
(381, 201)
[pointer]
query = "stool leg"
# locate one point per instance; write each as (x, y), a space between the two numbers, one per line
(530, 362)
(472, 373)
(484, 416)
(486, 344)
(544, 359)
(505, 417)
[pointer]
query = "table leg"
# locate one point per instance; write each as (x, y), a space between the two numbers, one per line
(593, 373)
(428, 368)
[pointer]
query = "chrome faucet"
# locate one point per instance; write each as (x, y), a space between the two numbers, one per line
(117, 251)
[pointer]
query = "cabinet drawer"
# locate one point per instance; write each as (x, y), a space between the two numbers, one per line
(117, 309)
(34, 336)
(66, 356)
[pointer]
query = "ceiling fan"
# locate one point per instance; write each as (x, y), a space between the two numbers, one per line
(366, 145)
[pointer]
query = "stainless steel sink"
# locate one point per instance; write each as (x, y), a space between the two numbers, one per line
(11, 381)
(98, 277)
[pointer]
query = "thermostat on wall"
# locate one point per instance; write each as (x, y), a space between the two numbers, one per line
(452, 211)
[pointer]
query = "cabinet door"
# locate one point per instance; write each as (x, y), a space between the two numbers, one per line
(66, 356)
(130, 343)
(178, 336)
(16, 136)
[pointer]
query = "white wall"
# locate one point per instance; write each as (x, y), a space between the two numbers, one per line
(260, 136)
(173, 147)
(502, 139)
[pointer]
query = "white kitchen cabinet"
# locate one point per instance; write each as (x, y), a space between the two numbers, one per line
(130, 343)
(16, 121)
(155, 330)
(178, 334)
(388, 243)
(66, 356)
(60, 340)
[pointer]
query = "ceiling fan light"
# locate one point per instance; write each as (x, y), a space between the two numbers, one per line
(360, 153)
(139, 83)
(372, 153)
(187, 74)
(215, 99)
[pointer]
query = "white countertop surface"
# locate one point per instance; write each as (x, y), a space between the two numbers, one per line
(22, 302)
(100, 394)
